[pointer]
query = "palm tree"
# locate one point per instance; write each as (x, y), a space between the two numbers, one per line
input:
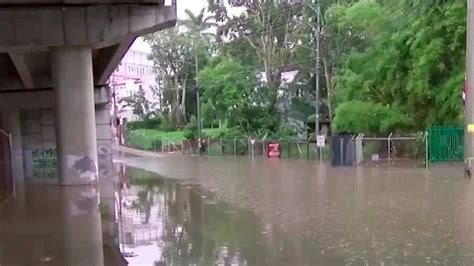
(198, 26)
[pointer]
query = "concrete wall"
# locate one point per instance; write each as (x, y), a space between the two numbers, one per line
(38, 127)
(39, 136)
(38, 133)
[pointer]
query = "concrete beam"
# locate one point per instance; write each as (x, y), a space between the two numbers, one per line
(107, 60)
(93, 26)
(22, 69)
(52, 3)
(33, 99)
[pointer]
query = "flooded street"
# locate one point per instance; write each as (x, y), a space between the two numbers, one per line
(239, 211)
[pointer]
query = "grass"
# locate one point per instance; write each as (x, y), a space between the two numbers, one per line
(146, 138)
(175, 136)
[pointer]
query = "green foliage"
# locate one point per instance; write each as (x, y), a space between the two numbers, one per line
(366, 117)
(226, 87)
(287, 132)
(165, 124)
(151, 123)
(406, 62)
(150, 139)
(139, 103)
(388, 66)
(191, 129)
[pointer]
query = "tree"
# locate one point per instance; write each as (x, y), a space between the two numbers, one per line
(409, 56)
(170, 50)
(266, 27)
(198, 24)
(139, 103)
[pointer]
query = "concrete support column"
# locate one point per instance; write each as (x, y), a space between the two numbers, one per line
(11, 122)
(75, 115)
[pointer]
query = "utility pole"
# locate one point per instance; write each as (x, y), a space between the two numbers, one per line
(198, 100)
(469, 104)
(317, 74)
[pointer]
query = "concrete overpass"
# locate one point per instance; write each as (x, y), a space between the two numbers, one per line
(55, 58)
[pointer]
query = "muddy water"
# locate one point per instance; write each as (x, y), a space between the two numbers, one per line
(289, 212)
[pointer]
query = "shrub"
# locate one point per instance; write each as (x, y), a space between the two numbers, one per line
(231, 133)
(152, 123)
(191, 130)
(369, 117)
(165, 124)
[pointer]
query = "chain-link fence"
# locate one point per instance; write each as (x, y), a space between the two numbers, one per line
(6, 166)
(392, 150)
(295, 149)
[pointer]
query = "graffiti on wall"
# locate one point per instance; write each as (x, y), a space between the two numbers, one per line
(44, 157)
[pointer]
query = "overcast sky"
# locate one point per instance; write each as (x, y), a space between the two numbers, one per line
(194, 5)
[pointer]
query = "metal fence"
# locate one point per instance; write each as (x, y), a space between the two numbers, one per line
(446, 144)
(297, 149)
(6, 166)
(392, 150)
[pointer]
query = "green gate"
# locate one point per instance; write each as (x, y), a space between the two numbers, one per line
(446, 144)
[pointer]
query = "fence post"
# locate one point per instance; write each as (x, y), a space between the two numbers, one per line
(389, 151)
(249, 147)
(427, 158)
(307, 150)
(222, 147)
(289, 149)
(235, 146)
(341, 149)
(209, 146)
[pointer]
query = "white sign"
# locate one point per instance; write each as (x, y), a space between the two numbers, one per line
(321, 141)
(375, 158)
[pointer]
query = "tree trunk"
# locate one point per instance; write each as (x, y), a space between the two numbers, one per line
(183, 100)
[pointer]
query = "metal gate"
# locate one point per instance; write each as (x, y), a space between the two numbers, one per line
(446, 144)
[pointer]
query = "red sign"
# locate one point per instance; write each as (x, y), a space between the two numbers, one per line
(274, 150)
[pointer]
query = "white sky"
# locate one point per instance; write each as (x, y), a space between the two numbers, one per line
(194, 5)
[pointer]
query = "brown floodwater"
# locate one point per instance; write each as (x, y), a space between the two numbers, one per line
(242, 211)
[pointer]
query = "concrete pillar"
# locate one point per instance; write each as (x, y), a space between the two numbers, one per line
(469, 102)
(75, 115)
(11, 122)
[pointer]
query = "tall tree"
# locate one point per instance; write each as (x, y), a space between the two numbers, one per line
(170, 52)
(139, 103)
(407, 57)
(267, 27)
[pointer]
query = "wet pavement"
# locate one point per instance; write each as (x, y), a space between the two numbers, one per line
(239, 211)
(51, 225)
(177, 210)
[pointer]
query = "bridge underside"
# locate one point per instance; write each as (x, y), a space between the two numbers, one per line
(56, 57)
